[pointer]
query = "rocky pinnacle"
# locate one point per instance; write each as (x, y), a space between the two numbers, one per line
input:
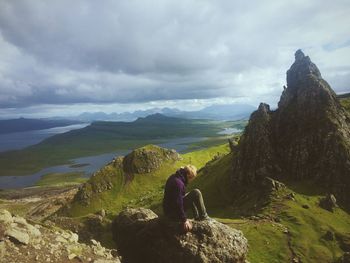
(306, 138)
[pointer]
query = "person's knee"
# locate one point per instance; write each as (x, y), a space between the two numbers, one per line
(197, 192)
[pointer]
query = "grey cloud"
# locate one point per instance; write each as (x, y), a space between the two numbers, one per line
(137, 51)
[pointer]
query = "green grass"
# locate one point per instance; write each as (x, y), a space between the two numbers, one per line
(208, 142)
(61, 179)
(308, 227)
(345, 102)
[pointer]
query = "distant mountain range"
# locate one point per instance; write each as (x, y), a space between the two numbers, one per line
(214, 112)
(23, 124)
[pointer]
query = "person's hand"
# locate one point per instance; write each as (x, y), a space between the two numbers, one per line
(187, 226)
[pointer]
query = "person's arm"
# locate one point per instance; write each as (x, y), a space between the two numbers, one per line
(180, 202)
(186, 224)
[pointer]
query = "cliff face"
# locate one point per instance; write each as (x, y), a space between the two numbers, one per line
(307, 137)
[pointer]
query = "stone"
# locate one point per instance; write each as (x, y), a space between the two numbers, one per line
(305, 206)
(329, 236)
(5, 217)
(102, 213)
(272, 185)
(20, 220)
(143, 237)
(61, 239)
(2, 249)
(71, 256)
(18, 235)
(291, 196)
(33, 231)
(73, 238)
(329, 202)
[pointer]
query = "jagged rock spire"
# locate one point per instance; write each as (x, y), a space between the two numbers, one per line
(299, 55)
(301, 70)
(306, 138)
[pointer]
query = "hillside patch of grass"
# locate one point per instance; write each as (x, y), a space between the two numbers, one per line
(61, 179)
(345, 102)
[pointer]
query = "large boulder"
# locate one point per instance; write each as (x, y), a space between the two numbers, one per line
(17, 228)
(143, 237)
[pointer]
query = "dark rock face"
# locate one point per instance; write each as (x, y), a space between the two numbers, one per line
(143, 237)
(307, 137)
(271, 185)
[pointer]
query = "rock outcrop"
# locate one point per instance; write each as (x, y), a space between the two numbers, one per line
(306, 138)
(148, 159)
(143, 237)
(143, 160)
(21, 241)
(329, 202)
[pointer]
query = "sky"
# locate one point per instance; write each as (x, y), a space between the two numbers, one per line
(63, 57)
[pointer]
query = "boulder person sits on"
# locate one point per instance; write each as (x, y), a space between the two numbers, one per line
(176, 201)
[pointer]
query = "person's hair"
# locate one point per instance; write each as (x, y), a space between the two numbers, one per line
(191, 170)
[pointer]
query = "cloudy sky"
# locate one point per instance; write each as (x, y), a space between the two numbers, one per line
(63, 57)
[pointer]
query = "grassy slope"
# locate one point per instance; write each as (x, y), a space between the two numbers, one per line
(267, 238)
(345, 102)
(145, 189)
(59, 179)
(103, 137)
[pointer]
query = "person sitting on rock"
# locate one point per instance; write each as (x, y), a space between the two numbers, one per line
(176, 201)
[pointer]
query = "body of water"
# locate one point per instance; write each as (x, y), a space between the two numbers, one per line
(20, 140)
(87, 165)
(228, 131)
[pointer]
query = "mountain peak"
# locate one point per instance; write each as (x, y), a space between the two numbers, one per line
(299, 55)
(301, 70)
(306, 138)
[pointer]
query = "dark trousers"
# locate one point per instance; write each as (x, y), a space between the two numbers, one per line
(194, 200)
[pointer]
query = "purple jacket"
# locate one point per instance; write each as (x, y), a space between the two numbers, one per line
(173, 204)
